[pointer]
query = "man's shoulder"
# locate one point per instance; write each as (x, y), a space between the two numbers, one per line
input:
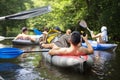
(19, 35)
(82, 48)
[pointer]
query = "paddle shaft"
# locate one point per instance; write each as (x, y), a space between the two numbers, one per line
(8, 52)
(28, 13)
(2, 38)
(88, 29)
(9, 37)
(35, 51)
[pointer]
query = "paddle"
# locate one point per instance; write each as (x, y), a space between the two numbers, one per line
(28, 13)
(3, 38)
(37, 32)
(8, 53)
(16, 50)
(84, 25)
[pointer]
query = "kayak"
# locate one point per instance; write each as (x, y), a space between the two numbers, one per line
(24, 42)
(27, 42)
(79, 62)
(97, 46)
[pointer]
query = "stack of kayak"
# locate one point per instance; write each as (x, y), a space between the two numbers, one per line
(27, 42)
(79, 62)
(100, 46)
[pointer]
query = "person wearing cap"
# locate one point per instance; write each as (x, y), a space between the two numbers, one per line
(101, 37)
(23, 35)
(75, 48)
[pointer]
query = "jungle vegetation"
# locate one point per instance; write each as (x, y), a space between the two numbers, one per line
(65, 14)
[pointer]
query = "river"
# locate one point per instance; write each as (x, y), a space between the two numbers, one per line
(31, 66)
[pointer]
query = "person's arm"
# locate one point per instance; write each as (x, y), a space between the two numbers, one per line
(57, 51)
(45, 34)
(50, 45)
(30, 38)
(89, 49)
(95, 36)
(17, 37)
(54, 51)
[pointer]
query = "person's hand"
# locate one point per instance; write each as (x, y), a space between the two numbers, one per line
(83, 33)
(85, 37)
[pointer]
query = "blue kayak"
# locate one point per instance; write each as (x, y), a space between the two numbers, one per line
(98, 46)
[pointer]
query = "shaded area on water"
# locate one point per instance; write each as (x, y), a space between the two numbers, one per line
(21, 68)
(100, 71)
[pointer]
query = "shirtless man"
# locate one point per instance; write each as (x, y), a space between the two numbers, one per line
(75, 48)
(23, 35)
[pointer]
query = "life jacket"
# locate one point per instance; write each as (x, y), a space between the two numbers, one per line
(52, 34)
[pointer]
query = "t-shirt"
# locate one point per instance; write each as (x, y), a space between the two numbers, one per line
(63, 41)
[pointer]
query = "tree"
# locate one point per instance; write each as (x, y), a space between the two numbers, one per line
(8, 7)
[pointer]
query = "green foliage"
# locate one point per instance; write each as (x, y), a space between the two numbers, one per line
(8, 7)
(65, 14)
(104, 12)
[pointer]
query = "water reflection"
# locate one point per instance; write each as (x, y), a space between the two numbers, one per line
(102, 63)
(27, 48)
(6, 66)
(2, 46)
(23, 67)
(30, 67)
(100, 71)
(10, 71)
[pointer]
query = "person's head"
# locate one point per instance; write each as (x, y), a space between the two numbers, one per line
(75, 38)
(68, 31)
(103, 28)
(24, 29)
(57, 28)
(45, 29)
